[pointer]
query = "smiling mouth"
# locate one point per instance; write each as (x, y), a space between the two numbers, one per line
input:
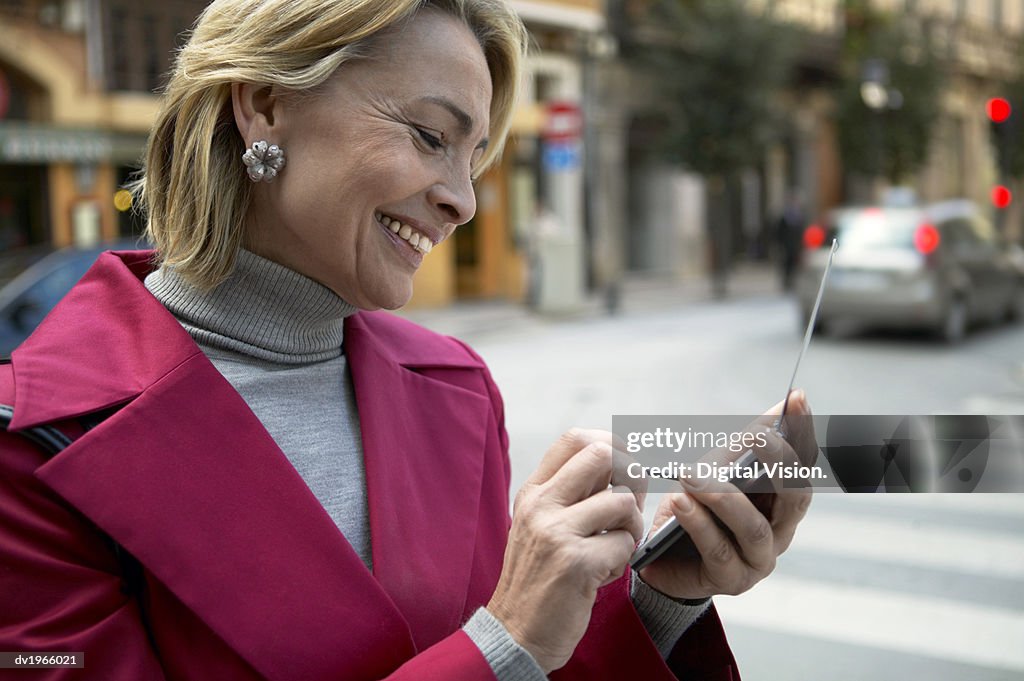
(419, 241)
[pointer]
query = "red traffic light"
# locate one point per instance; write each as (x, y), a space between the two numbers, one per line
(1001, 197)
(998, 109)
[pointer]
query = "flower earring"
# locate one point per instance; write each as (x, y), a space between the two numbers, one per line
(263, 161)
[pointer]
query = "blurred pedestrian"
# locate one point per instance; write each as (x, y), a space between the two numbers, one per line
(789, 231)
(285, 483)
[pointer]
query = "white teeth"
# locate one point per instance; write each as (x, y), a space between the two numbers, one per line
(406, 232)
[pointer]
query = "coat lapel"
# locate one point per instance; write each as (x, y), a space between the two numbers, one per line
(424, 441)
(187, 480)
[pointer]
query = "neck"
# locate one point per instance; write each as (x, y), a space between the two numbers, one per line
(263, 310)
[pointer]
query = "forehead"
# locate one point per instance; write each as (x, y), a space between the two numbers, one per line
(433, 55)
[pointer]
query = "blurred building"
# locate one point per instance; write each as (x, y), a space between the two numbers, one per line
(76, 102)
(530, 239)
(77, 97)
(568, 209)
(979, 44)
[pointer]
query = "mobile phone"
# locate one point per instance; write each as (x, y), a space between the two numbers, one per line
(671, 537)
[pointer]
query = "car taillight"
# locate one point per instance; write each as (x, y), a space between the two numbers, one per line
(814, 237)
(926, 239)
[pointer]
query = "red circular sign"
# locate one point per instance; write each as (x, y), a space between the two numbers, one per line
(998, 109)
(564, 121)
(1002, 197)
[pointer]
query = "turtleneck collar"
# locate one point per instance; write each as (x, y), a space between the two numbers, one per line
(263, 309)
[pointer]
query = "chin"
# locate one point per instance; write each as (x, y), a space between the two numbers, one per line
(387, 298)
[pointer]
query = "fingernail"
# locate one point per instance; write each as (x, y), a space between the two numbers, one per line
(690, 482)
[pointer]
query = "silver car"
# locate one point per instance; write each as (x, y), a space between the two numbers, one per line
(940, 267)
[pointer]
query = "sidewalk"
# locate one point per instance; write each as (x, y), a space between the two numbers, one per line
(473, 319)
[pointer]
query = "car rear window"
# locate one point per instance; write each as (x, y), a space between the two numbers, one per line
(876, 228)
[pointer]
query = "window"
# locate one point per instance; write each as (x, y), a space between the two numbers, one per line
(139, 40)
(996, 14)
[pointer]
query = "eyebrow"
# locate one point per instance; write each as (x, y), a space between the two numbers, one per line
(464, 120)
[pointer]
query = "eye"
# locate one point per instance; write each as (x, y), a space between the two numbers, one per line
(432, 141)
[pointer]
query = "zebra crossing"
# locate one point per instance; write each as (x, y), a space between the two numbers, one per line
(875, 587)
(890, 587)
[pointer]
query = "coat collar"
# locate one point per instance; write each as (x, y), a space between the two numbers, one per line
(186, 479)
(96, 349)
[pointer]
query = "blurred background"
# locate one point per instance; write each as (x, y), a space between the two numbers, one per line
(651, 243)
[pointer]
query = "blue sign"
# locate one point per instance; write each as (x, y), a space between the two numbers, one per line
(561, 156)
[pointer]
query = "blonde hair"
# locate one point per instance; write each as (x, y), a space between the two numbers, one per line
(193, 186)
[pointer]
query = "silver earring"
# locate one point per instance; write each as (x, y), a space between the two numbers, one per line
(263, 161)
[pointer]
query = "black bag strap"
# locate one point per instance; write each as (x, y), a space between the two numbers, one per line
(52, 441)
(49, 439)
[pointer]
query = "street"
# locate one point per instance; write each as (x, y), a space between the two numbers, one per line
(874, 587)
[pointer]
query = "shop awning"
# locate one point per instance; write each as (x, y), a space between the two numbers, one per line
(35, 143)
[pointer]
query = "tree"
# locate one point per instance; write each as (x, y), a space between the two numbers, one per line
(888, 98)
(720, 67)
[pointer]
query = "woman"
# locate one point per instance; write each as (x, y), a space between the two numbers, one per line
(283, 487)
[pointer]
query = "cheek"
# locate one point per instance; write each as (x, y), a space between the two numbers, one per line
(389, 170)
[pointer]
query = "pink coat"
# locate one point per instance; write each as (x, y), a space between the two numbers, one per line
(246, 575)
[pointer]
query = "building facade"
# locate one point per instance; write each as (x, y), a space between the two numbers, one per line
(78, 84)
(979, 46)
(76, 101)
(530, 239)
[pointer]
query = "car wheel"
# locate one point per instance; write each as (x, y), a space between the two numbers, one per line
(954, 325)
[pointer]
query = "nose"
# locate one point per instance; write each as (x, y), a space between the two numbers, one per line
(455, 199)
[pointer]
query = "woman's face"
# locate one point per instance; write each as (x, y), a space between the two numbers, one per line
(389, 139)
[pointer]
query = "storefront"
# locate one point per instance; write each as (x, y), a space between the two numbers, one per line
(528, 238)
(57, 184)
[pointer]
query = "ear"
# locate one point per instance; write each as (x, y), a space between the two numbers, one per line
(255, 107)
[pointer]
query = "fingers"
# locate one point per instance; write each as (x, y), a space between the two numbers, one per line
(661, 514)
(789, 509)
(567, 445)
(587, 470)
(797, 404)
(753, 535)
(610, 551)
(588, 462)
(720, 562)
(620, 465)
(611, 510)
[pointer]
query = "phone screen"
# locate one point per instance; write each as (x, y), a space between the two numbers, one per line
(671, 537)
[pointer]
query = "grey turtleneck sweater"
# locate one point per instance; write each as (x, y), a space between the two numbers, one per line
(277, 337)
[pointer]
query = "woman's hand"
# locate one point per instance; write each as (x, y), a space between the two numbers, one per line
(571, 534)
(733, 558)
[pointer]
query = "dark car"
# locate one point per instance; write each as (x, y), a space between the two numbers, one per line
(15, 261)
(28, 297)
(940, 267)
